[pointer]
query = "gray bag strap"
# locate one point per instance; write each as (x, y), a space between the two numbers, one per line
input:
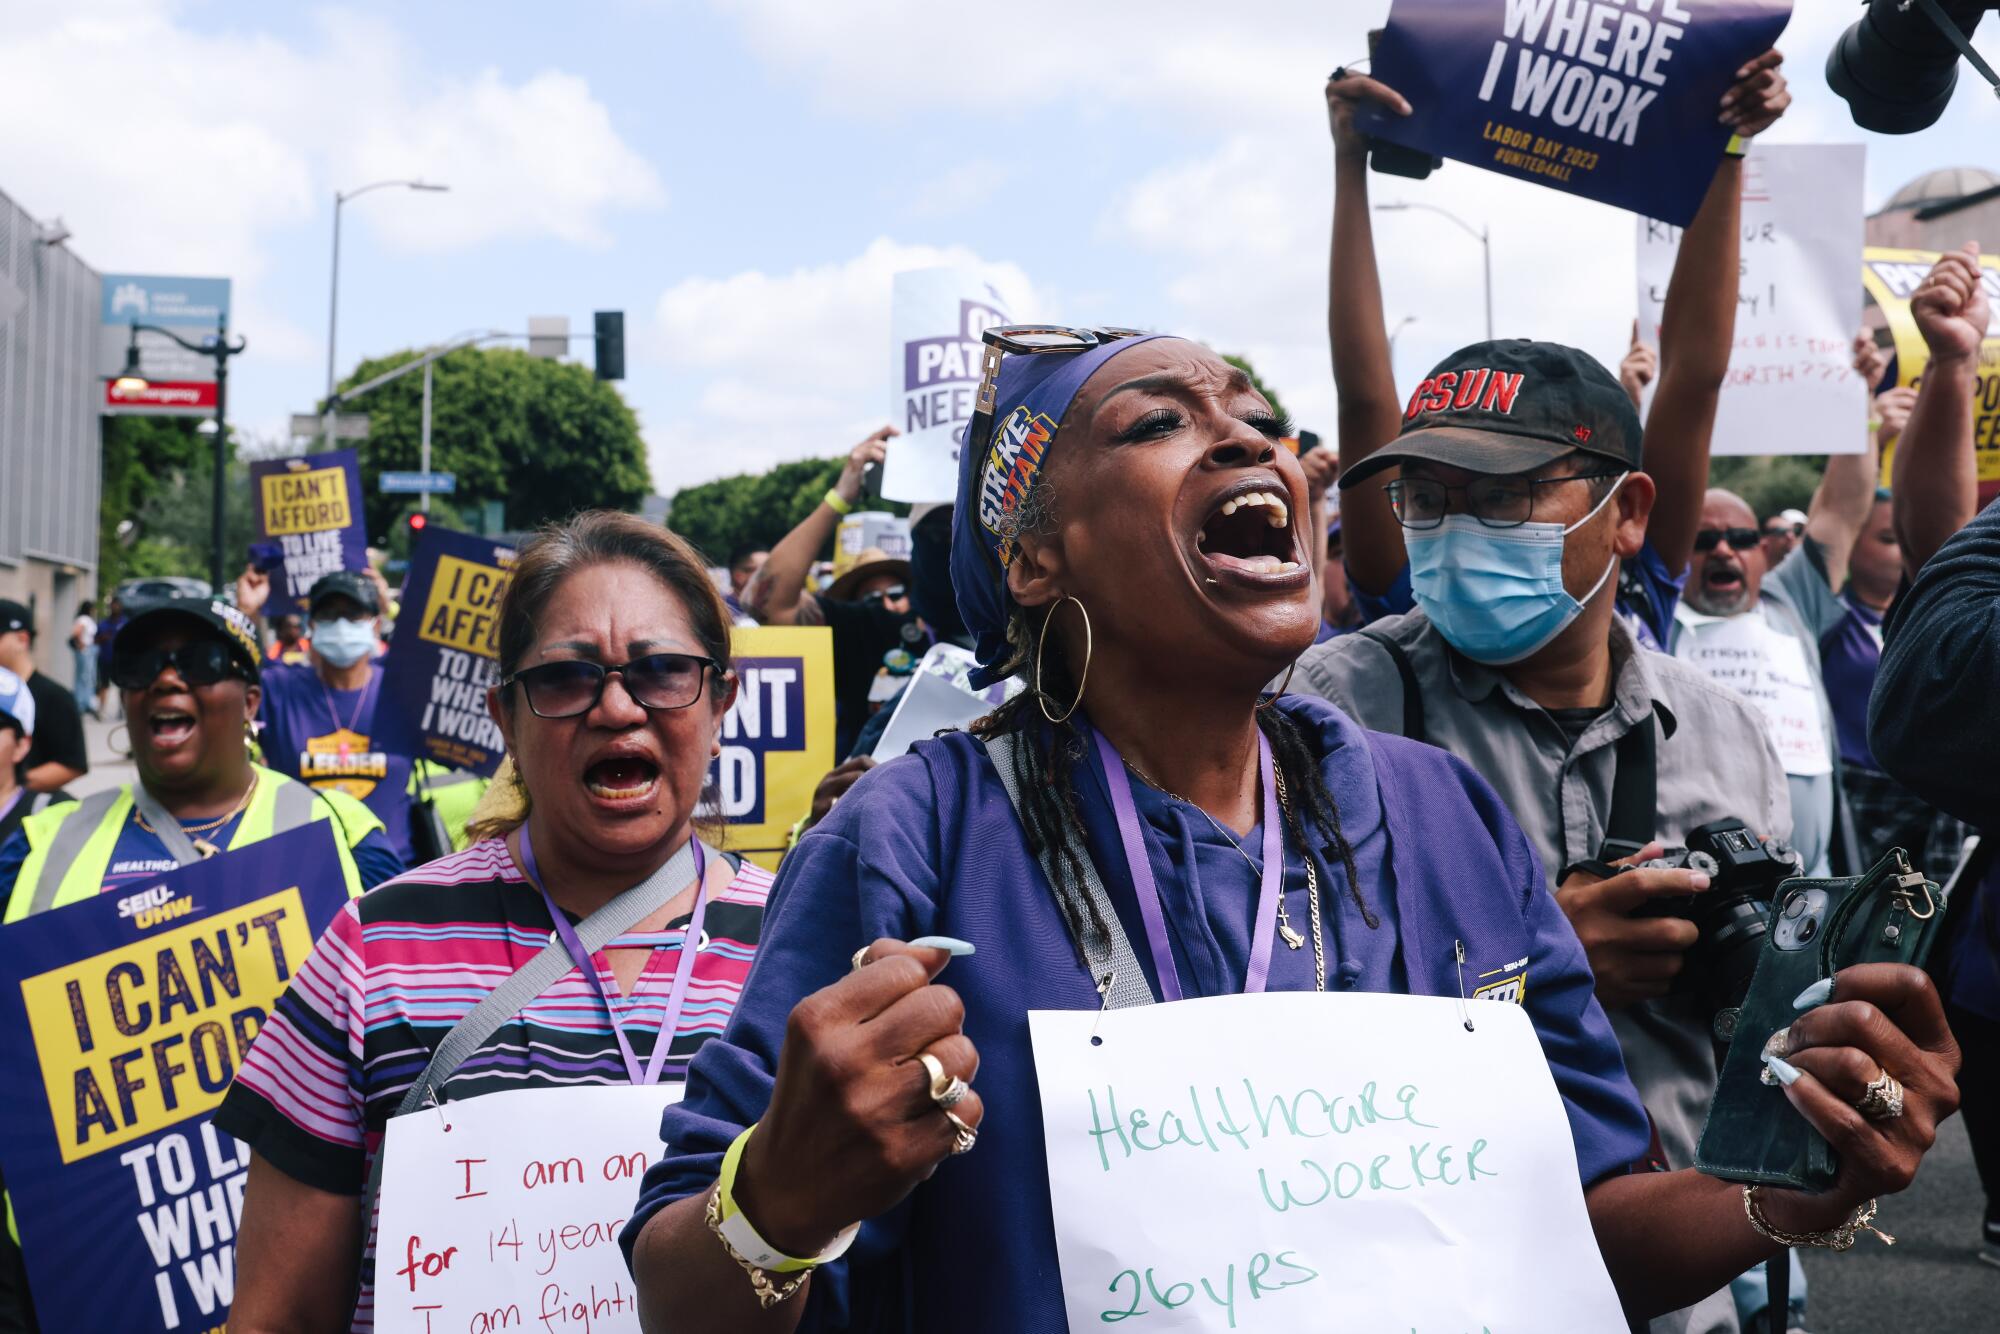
(165, 827)
(508, 999)
(1111, 957)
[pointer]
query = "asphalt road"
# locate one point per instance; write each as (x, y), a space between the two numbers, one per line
(1927, 1283)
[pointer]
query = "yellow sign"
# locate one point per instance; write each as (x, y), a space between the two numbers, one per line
(1892, 277)
(314, 501)
(138, 1038)
(777, 738)
(463, 611)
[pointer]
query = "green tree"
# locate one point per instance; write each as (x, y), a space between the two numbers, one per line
(150, 464)
(754, 508)
(1769, 483)
(1257, 381)
(544, 438)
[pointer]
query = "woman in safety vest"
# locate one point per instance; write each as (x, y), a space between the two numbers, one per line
(187, 669)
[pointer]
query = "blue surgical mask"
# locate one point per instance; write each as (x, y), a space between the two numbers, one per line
(1496, 594)
(343, 643)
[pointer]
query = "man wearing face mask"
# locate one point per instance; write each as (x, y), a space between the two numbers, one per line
(1520, 495)
(318, 715)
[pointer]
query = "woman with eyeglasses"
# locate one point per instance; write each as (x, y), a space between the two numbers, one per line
(863, 1149)
(187, 674)
(614, 679)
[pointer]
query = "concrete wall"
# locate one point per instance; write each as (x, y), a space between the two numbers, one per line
(51, 451)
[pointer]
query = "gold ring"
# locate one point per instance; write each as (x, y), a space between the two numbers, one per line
(935, 1069)
(963, 1136)
(1882, 1100)
(860, 957)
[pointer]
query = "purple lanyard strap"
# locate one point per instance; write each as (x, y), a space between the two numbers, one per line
(1147, 890)
(683, 968)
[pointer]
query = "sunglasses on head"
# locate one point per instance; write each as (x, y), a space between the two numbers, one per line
(1024, 340)
(573, 686)
(202, 663)
(1739, 539)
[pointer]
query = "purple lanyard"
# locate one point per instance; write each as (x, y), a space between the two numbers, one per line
(11, 802)
(683, 969)
(1147, 890)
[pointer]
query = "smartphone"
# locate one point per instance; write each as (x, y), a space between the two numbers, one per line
(1308, 442)
(1392, 159)
(1892, 914)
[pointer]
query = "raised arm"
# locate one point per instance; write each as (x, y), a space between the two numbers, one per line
(1698, 325)
(1370, 412)
(1842, 502)
(777, 596)
(1935, 475)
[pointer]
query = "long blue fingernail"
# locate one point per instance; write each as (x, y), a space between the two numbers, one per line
(1787, 1073)
(1816, 994)
(951, 945)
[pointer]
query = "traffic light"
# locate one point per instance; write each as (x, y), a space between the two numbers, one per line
(610, 344)
(417, 520)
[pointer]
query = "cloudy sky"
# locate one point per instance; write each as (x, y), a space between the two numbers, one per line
(743, 176)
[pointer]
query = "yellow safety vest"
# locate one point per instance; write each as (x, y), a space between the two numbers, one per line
(454, 793)
(70, 846)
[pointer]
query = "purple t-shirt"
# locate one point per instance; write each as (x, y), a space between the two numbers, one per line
(1849, 655)
(320, 736)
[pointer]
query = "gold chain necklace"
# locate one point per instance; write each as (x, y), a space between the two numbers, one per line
(1286, 931)
(202, 845)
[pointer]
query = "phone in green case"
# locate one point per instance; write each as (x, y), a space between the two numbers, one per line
(1893, 914)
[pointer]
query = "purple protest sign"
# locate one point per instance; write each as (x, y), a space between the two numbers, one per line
(1617, 104)
(446, 654)
(310, 506)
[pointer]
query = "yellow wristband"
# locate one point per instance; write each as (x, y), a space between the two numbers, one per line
(743, 1238)
(838, 503)
(1737, 146)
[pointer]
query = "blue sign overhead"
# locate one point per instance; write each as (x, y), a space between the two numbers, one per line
(417, 483)
(1615, 103)
(152, 299)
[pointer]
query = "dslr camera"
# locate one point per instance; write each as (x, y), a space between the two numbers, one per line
(1732, 914)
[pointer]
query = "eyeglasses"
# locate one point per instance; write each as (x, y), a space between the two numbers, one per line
(1026, 340)
(886, 594)
(657, 681)
(1740, 539)
(202, 663)
(1497, 502)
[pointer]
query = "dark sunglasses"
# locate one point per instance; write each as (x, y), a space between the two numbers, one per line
(573, 686)
(1025, 340)
(884, 594)
(1740, 539)
(199, 664)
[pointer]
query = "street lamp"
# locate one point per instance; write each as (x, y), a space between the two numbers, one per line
(132, 381)
(1480, 233)
(340, 198)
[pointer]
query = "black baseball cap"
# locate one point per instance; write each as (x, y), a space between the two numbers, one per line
(1511, 405)
(344, 584)
(14, 616)
(222, 620)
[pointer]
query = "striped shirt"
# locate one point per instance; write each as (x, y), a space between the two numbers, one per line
(404, 963)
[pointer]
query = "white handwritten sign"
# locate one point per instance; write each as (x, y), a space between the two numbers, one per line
(503, 1212)
(935, 319)
(1790, 388)
(1295, 1162)
(1767, 667)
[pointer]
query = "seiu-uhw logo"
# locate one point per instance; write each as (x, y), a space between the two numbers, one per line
(150, 907)
(128, 296)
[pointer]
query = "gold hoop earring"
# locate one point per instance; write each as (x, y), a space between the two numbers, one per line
(1083, 677)
(1283, 686)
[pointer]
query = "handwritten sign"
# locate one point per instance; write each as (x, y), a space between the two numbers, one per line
(311, 507)
(1293, 1162)
(1891, 277)
(446, 654)
(777, 738)
(1767, 667)
(935, 319)
(1791, 388)
(1616, 103)
(503, 1212)
(128, 1015)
